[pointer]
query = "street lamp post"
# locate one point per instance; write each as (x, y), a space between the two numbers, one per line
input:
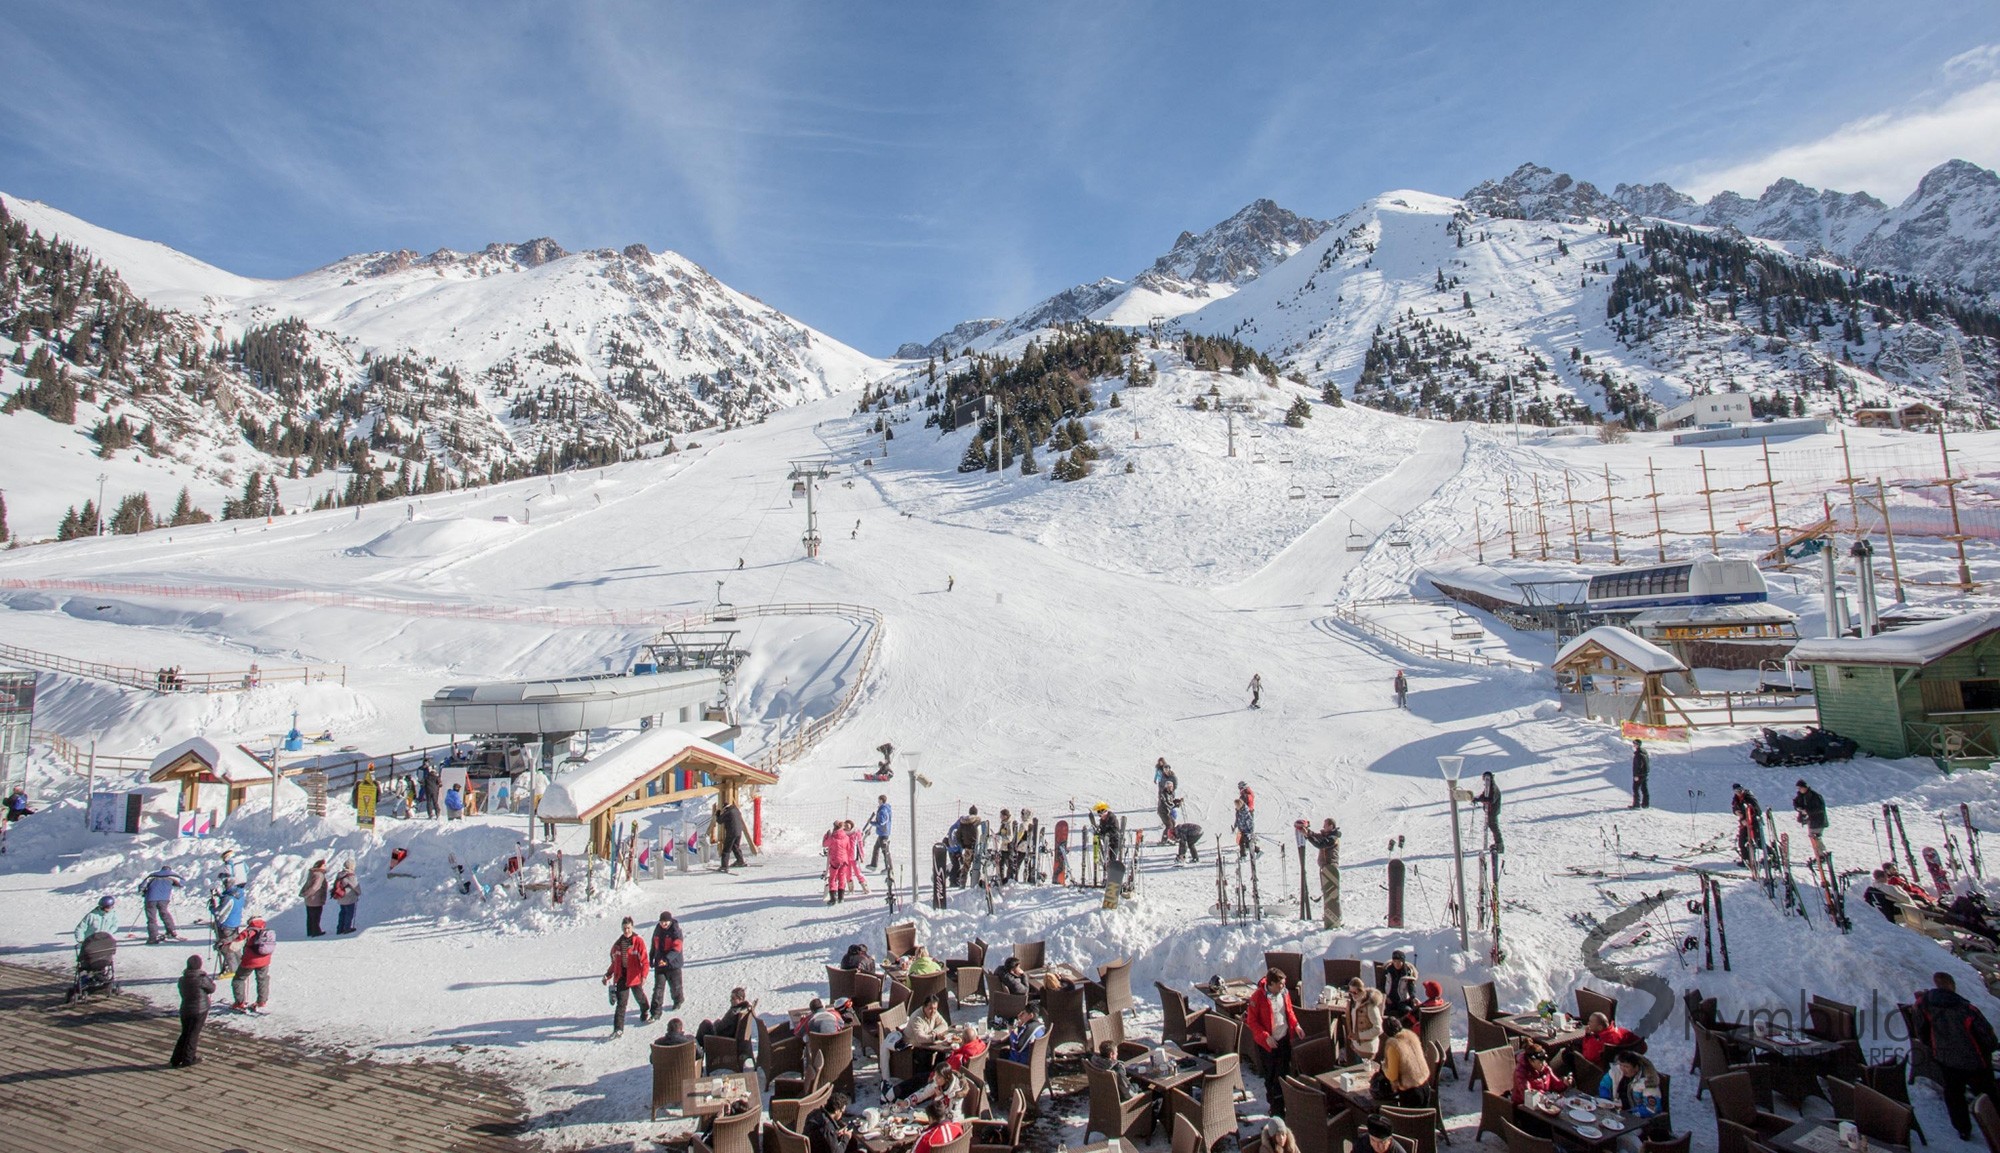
(1451, 767)
(911, 763)
(100, 505)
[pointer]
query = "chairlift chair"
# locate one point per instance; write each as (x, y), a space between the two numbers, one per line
(1331, 493)
(798, 488)
(1465, 627)
(1357, 541)
(1298, 492)
(1399, 537)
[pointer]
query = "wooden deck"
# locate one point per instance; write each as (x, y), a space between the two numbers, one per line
(95, 1076)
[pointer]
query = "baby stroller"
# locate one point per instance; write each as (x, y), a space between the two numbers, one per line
(96, 967)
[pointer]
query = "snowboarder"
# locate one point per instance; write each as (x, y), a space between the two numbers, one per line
(668, 951)
(314, 894)
(949, 581)
(258, 942)
(1327, 841)
(1402, 690)
(1489, 801)
(454, 804)
(1642, 768)
(346, 893)
(879, 824)
(158, 889)
(1245, 827)
(628, 969)
(1256, 689)
(1963, 1041)
(1749, 824)
(1811, 810)
(195, 987)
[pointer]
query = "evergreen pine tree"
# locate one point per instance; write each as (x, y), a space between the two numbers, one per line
(89, 520)
(1028, 465)
(1331, 395)
(3, 519)
(67, 529)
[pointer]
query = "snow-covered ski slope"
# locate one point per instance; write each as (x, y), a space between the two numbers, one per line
(1089, 628)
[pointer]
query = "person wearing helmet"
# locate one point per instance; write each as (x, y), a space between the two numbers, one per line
(259, 942)
(102, 918)
(1247, 795)
(1109, 835)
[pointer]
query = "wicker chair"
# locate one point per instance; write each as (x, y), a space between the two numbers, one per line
(1062, 1006)
(1713, 1062)
(1338, 971)
(1733, 1138)
(1482, 1001)
(1008, 1130)
(1118, 1119)
(1680, 1143)
(867, 989)
(1112, 1029)
(778, 1051)
(1293, 966)
(1223, 1034)
(839, 982)
(736, 1132)
(1590, 1001)
(1030, 1078)
(1891, 1078)
(901, 940)
(1840, 1095)
(1307, 1113)
(1315, 1021)
(834, 1053)
(963, 1143)
(1032, 954)
(1214, 1116)
(969, 985)
(1434, 1027)
(721, 1054)
(1311, 1058)
(784, 1139)
(1112, 991)
(1496, 1069)
(975, 956)
(1987, 1116)
(1181, 1025)
(1004, 1006)
(1584, 1073)
(673, 1067)
(1480, 1036)
(1519, 1141)
(930, 987)
(1186, 1138)
(1420, 1127)
(792, 1112)
(1735, 1100)
(1879, 1118)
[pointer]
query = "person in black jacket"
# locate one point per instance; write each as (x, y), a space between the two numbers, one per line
(1962, 1040)
(196, 987)
(1749, 824)
(1642, 768)
(667, 941)
(1489, 800)
(1811, 808)
(823, 1126)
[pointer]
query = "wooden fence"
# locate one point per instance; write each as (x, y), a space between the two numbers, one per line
(171, 681)
(1350, 614)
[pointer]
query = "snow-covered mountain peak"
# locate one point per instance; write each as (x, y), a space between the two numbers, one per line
(1532, 192)
(1239, 249)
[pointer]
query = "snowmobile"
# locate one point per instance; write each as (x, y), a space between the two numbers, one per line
(1813, 747)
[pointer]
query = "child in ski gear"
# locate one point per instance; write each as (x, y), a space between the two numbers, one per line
(1634, 1083)
(346, 894)
(1433, 996)
(258, 942)
(667, 956)
(1489, 801)
(1327, 841)
(1402, 690)
(158, 890)
(454, 804)
(314, 894)
(879, 825)
(628, 970)
(195, 989)
(1256, 689)
(1749, 824)
(1962, 1040)
(1811, 810)
(1642, 767)
(1273, 1026)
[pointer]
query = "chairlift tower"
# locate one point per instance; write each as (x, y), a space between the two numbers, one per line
(810, 473)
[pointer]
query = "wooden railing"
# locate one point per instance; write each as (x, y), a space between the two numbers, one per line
(1953, 741)
(80, 758)
(1733, 708)
(1349, 614)
(165, 681)
(789, 748)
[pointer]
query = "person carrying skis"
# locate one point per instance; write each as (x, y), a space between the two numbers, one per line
(1256, 689)
(1963, 1042)
(879, 824)
(225, 913)
(259, 941)
(1489, 801)
(313, 892)
(1749, 824)
(1245, 826)
(1642, 768)
(1327, 840)
(1402, 685)
(346, 893)
(1811, 810)
(158, 889)
(628, 970)
(195, 989)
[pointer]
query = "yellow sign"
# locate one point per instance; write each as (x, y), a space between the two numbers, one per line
(365, 794)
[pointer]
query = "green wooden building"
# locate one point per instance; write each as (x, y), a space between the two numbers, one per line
(1931, 689)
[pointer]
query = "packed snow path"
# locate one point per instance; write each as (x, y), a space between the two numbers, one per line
(99, 1069)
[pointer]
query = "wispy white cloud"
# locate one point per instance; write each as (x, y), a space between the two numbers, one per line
(1888, 152)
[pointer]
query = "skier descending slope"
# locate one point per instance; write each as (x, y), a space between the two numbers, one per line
(1256, 689)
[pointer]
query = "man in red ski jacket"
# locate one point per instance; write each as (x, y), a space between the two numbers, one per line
(1273, 1026)
(627, 976)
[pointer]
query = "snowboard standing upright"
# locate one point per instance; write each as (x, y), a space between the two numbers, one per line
(1061, 868)
(1395, 919)
(940, 865)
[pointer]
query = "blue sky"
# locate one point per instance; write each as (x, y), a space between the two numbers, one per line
(884, 170)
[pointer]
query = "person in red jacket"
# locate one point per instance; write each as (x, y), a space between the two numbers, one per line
(1273, 1026)
(258, 942)
(628, 969)
(942, 1132)
(1603, 1040)
(1533, 1073)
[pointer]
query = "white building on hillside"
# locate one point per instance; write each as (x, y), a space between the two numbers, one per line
(1704, 411)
